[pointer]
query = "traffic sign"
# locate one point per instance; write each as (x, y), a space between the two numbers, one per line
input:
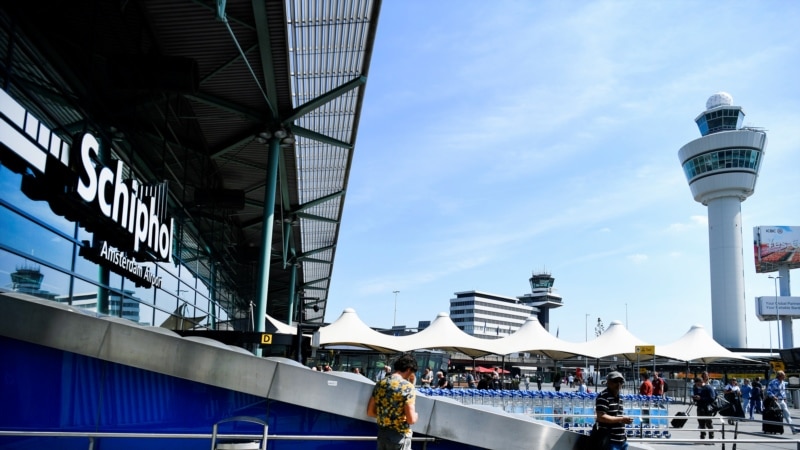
(646, 349)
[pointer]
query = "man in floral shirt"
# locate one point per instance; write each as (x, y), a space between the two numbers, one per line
(392, 403)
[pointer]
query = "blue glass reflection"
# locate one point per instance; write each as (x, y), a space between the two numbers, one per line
(727, 159)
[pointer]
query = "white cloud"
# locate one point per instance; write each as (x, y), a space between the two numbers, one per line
(638, 258)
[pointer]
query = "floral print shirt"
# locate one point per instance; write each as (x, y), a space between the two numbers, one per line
(391, 395)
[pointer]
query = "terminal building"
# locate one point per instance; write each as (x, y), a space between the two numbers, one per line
(493, 316)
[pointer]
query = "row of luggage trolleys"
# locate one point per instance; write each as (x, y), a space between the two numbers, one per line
(573, 411)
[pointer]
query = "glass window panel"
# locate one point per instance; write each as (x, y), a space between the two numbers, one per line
(31, 126)
(55, 145)
(145, 297)
(12, 109)
(65, 153)
(10, 183)
(20, 274)
(146, 315)
(30, 239)
(166, 301)
(43, 136)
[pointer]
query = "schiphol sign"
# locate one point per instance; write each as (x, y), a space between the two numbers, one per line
(771, 307)
(146, 223)
(129, 219)
(118, 261)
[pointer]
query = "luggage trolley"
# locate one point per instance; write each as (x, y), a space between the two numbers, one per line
(240, 443)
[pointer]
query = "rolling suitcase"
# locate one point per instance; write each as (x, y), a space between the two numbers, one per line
(679, 422)
(772, 412)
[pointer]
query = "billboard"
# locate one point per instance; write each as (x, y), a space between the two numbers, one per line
(788, 307)
(776, 246)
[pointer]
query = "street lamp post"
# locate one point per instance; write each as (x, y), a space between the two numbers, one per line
(777, 310)
(586, 338)
(586, 328)
(394, 321)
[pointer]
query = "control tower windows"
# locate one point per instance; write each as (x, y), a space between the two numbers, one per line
(740, 158)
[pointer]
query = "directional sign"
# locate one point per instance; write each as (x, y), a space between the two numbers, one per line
(777, 365)
(266, 339)
(646, 349)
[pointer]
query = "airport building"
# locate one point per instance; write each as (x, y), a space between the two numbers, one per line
(493, 316)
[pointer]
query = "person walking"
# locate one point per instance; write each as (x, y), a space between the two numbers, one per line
(658, 385)
(776, 390)
(393, 405)
(470, 378)
(609, 412)
(756, 398)
(703, 395)
(646, 388)
(746, 390)
(539, 382)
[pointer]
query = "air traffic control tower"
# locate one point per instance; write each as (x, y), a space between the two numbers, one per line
(722, 168)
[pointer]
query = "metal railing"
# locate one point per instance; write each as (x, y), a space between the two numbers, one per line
(93, 436)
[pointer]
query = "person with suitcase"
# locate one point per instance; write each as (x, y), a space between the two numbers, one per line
(776, 390)
(703, 396)
(756, 398)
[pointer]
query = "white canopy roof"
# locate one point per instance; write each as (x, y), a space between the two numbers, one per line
(533, 338)
(615, 341)
(699, 347)
(348, 329)
(280, 326)
(695, 346)
(443, 334)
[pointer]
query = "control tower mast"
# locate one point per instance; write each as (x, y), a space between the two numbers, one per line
(721, 168)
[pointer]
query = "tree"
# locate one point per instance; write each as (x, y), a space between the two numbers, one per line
(600, 328)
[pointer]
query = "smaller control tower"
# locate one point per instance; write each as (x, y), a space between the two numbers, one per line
(721, 168)
(542, 297)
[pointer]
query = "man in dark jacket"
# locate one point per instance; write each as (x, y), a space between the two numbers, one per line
(703, 395)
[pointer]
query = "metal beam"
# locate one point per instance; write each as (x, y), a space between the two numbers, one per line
(320, 200)
(265, 49)
(225, 105)
(239, 141)
(314, 217)
(309, 134)
(324, 98)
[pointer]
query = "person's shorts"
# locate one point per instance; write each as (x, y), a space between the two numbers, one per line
(393, 440)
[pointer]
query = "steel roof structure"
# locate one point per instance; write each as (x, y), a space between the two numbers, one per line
(195, 92)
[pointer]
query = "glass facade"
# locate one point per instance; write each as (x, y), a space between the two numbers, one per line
(720, 120)
(40, 250)
(731, 159)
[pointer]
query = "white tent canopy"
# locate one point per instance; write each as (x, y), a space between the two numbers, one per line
(615, 341)
(443, 334)
(697, 346)
(348, 329)
(280, 326)
(533, 338)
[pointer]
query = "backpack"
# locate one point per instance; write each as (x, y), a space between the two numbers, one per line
(666, 387)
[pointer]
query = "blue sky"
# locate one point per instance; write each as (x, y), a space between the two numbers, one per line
(503, 138)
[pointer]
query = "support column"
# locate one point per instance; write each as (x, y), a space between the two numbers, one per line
(787, 334)
(270, 191)
(292, 293)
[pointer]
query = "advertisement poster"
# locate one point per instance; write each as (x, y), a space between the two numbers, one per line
(776, 246)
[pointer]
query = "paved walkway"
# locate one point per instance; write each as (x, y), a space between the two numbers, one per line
(742, 430)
